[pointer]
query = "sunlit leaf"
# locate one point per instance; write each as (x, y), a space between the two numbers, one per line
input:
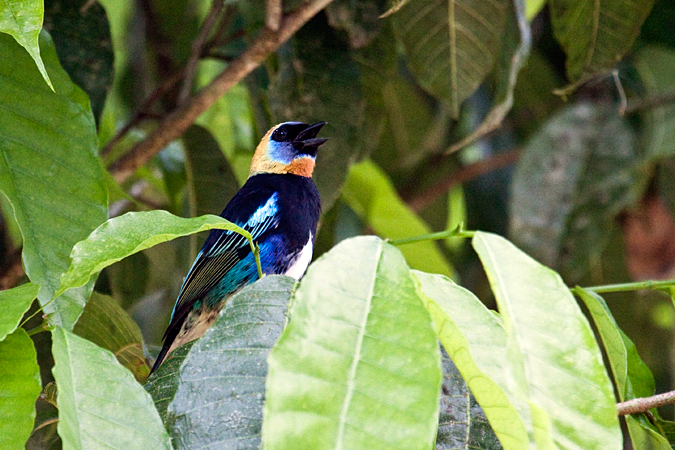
(216, 397)
(22, 19)
(49, 170)
(573, 178)
(555, 359)
(370, 194)
(13, 304)
(19, 388)
(595, 35)
(632, 376)
(476, 341)
(451, 46)
(107, 325)
(100, 403)
(358, 364)
(122, 236)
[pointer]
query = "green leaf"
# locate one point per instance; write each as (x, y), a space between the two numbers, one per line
(82, 38)
(451, 46)
(222, 379)
(100, 403)
(20, 387)
(107, 325)
(461, 423)
(310, 72)
(656, 67)
(13, 305)
(595, 35)
(555, 359)
(370, 194)
(631, 375)
(128, 234)
(572, 180)
(22, 19)
(49, 170)
(476, 341)
(358, 364)
(163, 383)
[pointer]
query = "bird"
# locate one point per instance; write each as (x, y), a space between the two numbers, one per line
(280, 206)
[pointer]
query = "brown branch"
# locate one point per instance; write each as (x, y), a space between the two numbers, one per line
(424, 199)
(180, 119)
(197, 47)
(273, 14)
(143, 111)
(644, 404)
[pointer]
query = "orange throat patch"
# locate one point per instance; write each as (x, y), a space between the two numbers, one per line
(302, 166)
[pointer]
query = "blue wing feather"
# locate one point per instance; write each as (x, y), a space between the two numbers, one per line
(220, 256)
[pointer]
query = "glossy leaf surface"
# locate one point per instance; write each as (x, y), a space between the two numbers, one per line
(128, 234)
(358, 364)
(49, 170)
(23, 20)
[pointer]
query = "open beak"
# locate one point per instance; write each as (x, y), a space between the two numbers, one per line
(307, 142)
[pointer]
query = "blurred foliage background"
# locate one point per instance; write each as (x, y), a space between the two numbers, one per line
(579, 173)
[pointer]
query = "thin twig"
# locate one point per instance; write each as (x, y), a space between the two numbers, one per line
(649, 103)
(640, 405)
(421, 201)
(197, 45)
(175, 124)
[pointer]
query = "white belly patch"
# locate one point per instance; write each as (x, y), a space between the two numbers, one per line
(302, 260)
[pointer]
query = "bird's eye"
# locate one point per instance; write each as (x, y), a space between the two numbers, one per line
(279, 134)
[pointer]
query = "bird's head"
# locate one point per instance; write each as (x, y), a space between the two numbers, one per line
(289, 147)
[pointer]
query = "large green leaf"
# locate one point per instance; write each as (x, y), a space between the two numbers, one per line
(49, 170)
(572, 179)
(358, 364)
(555, 360)
(312, 69)
(632, 376)
(19, 388)
(595, 34)
(128, 234)
(107, 325)
(370, 194)
(13, 304)
(461, 422)
(82, 38)
(451, 45)
(22, 19)
(100, 403)
(476, 341)
(219, 388)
